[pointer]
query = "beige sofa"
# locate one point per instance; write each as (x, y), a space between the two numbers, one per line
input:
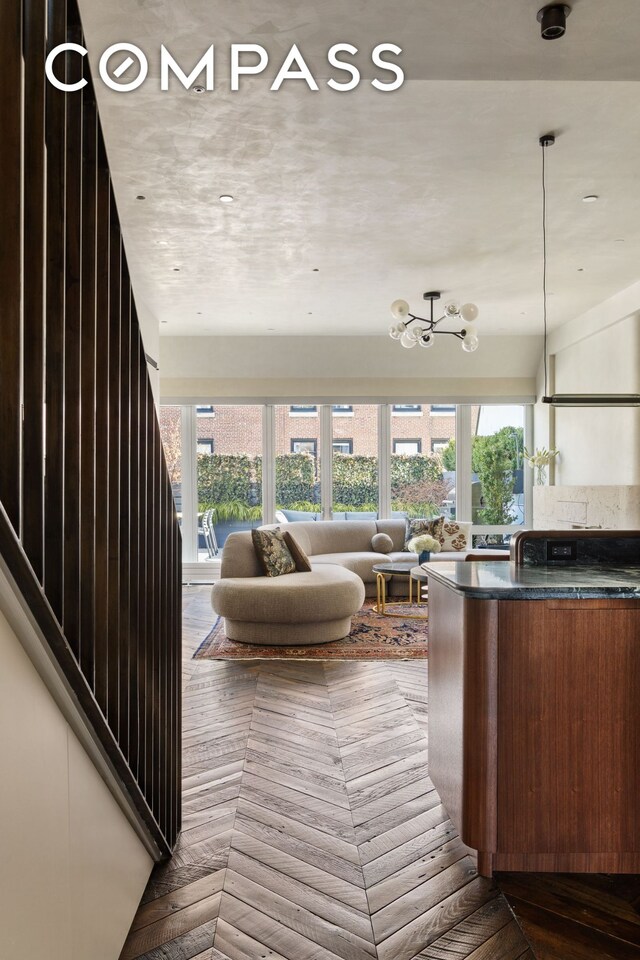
(311, 607)
(348, 544)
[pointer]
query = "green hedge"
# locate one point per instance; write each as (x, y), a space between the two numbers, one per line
(355, 480)
(407, 471)
(224, 478)
(237, 478)
(296, 479)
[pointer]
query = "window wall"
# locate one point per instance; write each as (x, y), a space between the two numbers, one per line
(297, 450)
(422, 478)
(497, 465)
(236, 466)
(354, 480)
(170, 420)
(228, 474)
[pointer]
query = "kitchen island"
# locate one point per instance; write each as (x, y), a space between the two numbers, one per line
(534, 712)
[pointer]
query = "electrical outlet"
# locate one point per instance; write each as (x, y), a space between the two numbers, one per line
(561, 551)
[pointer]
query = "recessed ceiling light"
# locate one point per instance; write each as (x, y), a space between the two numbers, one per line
(162, 243)
(619, 241)
(140, 197)
(176, 269)
(591, 198)
(316, 270)
(198, 89)
(580, 269)
(226, 198)
(164, 321)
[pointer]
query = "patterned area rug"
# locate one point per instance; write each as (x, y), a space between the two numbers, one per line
(372, 637)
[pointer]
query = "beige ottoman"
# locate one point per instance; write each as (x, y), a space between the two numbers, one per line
(295, 609)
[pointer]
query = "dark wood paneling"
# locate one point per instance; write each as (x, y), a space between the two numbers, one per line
(33, 248)
(55, 305)
(569, 690)
(103, 404)
(94, 551)
(534, 743)
(113, 472)
(134, 546)
(10, 256)
(88, 385)
(124, 508)
(72, 433)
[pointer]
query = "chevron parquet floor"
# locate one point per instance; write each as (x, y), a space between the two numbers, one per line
(311, 830)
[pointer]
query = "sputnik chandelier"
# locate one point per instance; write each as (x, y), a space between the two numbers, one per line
(424, 332)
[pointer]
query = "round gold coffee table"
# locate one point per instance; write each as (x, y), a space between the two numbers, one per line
(384, 572)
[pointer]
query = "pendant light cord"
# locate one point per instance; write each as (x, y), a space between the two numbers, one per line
(544, 262)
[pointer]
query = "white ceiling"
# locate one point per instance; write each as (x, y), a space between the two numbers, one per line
(435, 186)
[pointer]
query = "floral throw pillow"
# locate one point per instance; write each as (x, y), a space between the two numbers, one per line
(417, 526)
(455, 536)
(272, 552)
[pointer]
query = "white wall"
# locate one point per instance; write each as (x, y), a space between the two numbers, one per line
(598, 352)
(73, 870)
(200, 369)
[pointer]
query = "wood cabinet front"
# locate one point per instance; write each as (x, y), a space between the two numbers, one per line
(534, 729)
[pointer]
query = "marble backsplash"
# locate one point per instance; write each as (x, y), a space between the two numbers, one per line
(579, 508)
(597, 551)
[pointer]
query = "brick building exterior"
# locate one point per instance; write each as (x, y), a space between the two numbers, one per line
(415, 428)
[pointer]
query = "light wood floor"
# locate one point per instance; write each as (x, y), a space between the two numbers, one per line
(311, 830)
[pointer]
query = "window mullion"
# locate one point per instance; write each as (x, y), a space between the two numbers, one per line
(189, 488)
(268, 464)
(463, 463)
(527, 473)
(384, 460)
(326, 460)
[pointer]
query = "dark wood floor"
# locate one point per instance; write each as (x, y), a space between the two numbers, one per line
(312, 832)
(576, 916)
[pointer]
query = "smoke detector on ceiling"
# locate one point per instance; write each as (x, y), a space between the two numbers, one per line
(553, 20)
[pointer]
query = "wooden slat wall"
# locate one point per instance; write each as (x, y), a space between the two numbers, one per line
(87, 524)
(11, 108)
(33, 316)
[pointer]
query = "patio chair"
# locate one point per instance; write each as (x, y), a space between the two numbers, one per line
(206, 527)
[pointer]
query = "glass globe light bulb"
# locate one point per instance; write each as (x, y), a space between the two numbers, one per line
(416, 332)
(452, 309)
(469, 312)
(470, 330)
(401, 328)
(407, 340)
(427, 340)
(470, 344)
(393, 332)
(399, 309)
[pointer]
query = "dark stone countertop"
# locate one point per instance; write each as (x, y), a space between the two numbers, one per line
(505, 581)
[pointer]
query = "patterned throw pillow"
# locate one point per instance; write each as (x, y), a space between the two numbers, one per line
(456, 535)
(417, 526)
(272, 552)
(301, 560)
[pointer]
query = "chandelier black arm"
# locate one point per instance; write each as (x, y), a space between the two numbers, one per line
(432, 324)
